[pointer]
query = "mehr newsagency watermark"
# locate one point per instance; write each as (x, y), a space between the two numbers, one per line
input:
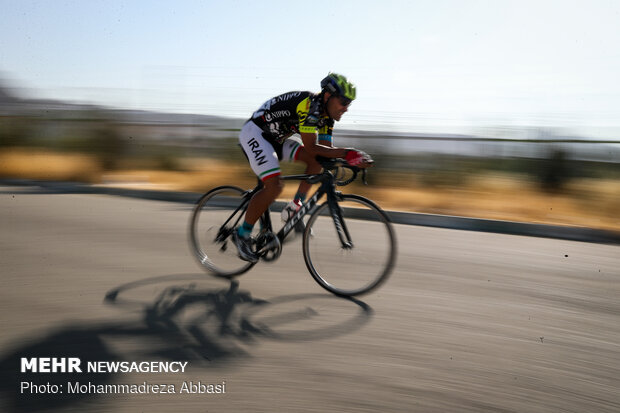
(75, 366)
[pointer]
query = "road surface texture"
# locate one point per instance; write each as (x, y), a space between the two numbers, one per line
(468, 322)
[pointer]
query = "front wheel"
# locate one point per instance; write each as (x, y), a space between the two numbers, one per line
(215, 217)
(350, 251)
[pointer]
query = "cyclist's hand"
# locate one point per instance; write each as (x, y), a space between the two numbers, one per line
(358, 158)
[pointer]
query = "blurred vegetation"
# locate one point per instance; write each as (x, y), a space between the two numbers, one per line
(545, 184)
(15, 131)
(118, 144)
(552, 172)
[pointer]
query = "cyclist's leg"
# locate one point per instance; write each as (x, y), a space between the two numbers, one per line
(262, 199)
(264, 161)
(265, 164)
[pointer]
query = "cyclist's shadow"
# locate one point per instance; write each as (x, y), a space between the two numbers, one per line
(208, 327)
(213, 323)
(200, 321)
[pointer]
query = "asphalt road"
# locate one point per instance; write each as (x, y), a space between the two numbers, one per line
(468, 322)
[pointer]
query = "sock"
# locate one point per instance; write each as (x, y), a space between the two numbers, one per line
(300, 197)
(245, 230)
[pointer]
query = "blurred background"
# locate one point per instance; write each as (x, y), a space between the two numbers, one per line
(502, 110)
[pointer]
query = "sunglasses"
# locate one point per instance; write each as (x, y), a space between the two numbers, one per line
(344, 101)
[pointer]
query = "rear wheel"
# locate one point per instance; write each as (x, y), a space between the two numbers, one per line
(215, 217)
(366, 257)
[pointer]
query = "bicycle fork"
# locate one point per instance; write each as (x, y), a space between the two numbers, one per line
(339, 223)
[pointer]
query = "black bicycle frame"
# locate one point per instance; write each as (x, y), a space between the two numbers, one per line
(326, 188)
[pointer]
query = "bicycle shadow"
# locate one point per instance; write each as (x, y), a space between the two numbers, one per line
(205, 326)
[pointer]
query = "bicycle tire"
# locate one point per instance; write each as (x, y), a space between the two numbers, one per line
(351, 271)
(212, 211)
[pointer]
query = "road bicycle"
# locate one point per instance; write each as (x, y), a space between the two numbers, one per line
(349, 244)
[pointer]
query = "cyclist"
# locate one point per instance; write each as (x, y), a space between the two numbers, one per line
(265, 139)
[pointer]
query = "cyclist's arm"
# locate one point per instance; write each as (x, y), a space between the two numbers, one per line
(326, 140)
(314, 148)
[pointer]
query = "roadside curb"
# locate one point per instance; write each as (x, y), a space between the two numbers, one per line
(508, 227)
(407, 218)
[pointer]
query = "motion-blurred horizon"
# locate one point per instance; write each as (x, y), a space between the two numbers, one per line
(499, 140)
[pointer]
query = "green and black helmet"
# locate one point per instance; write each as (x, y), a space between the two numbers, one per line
(338, 85)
